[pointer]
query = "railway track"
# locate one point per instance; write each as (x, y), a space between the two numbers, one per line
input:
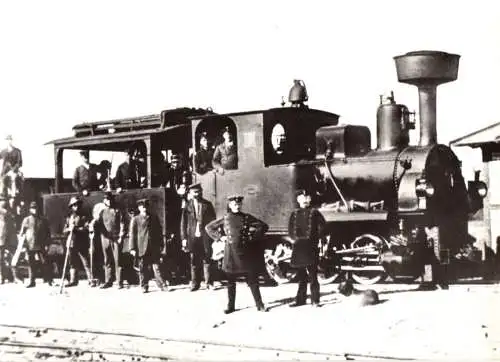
(47, 343)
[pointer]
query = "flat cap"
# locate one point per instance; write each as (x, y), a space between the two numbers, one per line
(84, 153)
(301, 192)
(195, 186)
(33, 205)
(74, 200)
(235, 197)
(108, 196)
(143, 202)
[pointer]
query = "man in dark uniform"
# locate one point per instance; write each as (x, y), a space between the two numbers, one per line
(240, 233)
(110, 224)
(125, 178)
(77, 224)
(85, 176)
(203, 158)
(195, 216)
(225, 155)
(145, 239)
(305, 228)
(35, 237)
(7, 237)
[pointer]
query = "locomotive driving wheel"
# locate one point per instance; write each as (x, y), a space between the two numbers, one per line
(368, 267)
(277, 263)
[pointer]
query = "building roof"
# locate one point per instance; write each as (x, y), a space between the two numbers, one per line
(490, 134)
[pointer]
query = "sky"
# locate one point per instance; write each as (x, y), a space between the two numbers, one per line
(65, 62)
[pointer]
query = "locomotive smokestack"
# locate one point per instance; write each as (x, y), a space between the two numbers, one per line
(427, 70)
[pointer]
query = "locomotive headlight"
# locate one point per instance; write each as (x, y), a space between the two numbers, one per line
(429, 190)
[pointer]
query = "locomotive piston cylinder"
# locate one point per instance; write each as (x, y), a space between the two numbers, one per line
(426, 70)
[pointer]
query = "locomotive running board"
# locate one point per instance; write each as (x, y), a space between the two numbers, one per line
(332, 215)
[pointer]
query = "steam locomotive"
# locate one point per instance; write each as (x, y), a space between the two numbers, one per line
(398, 209)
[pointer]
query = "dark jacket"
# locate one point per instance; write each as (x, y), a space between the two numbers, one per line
(110, 224)
(203, 161)
(37, 232)
(7, 229)
(189, 219)
(80, 238)
(13, 160)
(241, 251)
(225, 157)
(85, 178)
(145, 236)
(125, 177)
(305, 227)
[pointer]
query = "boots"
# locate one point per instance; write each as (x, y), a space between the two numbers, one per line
(231, 298)
(72, 278)
(257, 298)
(31, 276)
(206, 273)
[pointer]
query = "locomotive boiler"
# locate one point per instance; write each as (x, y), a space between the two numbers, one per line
(399, 207)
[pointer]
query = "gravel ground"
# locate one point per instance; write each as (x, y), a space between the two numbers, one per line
(112, 324)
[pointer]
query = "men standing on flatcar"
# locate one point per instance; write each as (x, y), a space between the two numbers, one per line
(85, 175)
(35, 236)
(77, 228)
(225, 155)
(203, 157)
(305, 228)
(240, 232)
(145, 237)
(110, 224)
(195, 216)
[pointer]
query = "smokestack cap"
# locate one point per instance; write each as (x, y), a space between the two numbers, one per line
(426, 67)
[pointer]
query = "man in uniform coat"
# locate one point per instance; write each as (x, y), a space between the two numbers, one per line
(77, 223)
(85, 175)
(225, 155)
(7, 236)
(240, 233)
(195, 216)
(145, 237)
(203, 157)
(35, 236)
(125, 177)
(305, 228)
(110, 224)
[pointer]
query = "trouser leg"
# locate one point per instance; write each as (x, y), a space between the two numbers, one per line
(118, 263)
(301, 296)
(84, 257)
(31, 267)
(2, 265)
(143, 275)
(253, 284)
(231, 291)
(207, 271)
(73, 257)
(46, 267)
(108, 258)
(157, 274)
(312, 270)
(196, 265)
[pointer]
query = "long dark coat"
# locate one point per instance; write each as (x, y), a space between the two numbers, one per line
(241, 250)
(146, 235)
(110, 225)
(7, 228)
(206, 214)
(305, 227)
(37, 232)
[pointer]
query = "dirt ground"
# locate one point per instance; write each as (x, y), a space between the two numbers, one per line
(91, 324)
